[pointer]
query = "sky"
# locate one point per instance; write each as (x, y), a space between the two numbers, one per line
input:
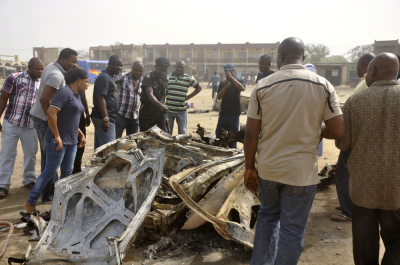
(78, 24)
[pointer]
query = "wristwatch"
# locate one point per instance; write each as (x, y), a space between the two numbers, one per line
(105, 119)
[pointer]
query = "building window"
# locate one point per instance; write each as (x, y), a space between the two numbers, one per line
(228, 55)
(188, 57)
(214, 55)
(200, 56)
(175, 56)
(335, 72)
(257, 55)
(242, 55)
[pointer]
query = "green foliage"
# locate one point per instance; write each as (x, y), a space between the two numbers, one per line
(335, 59)
(316, 53)
(356, 52)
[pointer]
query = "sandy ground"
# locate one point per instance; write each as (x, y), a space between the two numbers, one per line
(326, 242)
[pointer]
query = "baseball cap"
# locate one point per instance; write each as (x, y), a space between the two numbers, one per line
(229, 67)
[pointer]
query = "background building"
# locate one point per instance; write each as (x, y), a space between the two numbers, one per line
(11, 66)
(47, 55)
(387, 46)
(128, 53)
(205, 59)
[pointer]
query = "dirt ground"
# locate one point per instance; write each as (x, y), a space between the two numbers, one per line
(326, 242)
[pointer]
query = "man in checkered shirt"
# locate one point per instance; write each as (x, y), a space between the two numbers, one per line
(19, 90)
(129, 90)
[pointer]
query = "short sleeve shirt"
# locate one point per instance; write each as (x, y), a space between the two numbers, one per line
(53, 75)
(261, 75)
(215, 80)
(291, 104)
(177, 91)
(230, 104)
(105, 85)
(159, 89)
(68, 118)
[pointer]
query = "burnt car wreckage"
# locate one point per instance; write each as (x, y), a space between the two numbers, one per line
(146, 182)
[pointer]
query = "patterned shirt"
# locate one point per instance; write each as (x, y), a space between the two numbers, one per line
(22, 89)
(372, 133)
(177, 91)
(128, 96)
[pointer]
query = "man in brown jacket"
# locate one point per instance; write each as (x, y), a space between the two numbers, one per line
(372, 129)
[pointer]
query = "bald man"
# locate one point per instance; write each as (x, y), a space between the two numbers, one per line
(19, 91)
(129, 91)
(105, 102)
(284, 127)
(372, 133)
(342, 176)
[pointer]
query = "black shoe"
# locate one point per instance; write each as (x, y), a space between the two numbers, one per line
(30, 185)
(3, 192)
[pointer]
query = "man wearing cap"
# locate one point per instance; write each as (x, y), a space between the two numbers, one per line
(152, 110)
(229, 91)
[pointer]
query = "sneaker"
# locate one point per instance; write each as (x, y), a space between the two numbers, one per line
(30, 185)
(3, 192)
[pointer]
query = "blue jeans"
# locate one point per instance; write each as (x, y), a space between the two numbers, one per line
(342, 178)
(101, 137)
(41, 129)
(131, 126)
(287, 206)
(54, 159)
(228, 123)
(181, 120)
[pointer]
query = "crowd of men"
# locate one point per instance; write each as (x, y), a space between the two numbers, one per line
(283, 127)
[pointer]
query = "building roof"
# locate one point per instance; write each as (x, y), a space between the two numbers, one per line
(212, 46)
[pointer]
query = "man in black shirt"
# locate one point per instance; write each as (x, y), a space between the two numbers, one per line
(152, 110)
(229, 91)
(105, 101)
(264, 65)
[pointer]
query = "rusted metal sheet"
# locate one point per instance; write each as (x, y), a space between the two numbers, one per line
(237, 217)
(213, 200)
(98, 212)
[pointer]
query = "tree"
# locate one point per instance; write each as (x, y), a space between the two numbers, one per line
(356, 52)
(117, 43)
(83, 54)
(316, 53)
(335, 59)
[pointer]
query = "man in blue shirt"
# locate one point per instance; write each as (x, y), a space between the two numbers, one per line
(264, 65)
(105, 101)
(214, 79)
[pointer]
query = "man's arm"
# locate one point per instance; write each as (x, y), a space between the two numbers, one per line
(253, 128)
(221, 94)
(101, 104)
(345, 142)
(238, 85)
(195, 92)
(333, 128)
(85, 104)
(47, 96)
(152, 98)
(3, 104)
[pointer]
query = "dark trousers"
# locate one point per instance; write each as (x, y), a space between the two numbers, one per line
(342, 183)
(366, 224)
(229, 123)
(214, 91)
(79, 151)
(131, 126)
(148, 118)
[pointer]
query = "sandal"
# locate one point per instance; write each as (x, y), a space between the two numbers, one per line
(340, 218)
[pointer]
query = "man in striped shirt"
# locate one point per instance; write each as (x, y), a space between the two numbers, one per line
(178, 85)
(19, 90)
